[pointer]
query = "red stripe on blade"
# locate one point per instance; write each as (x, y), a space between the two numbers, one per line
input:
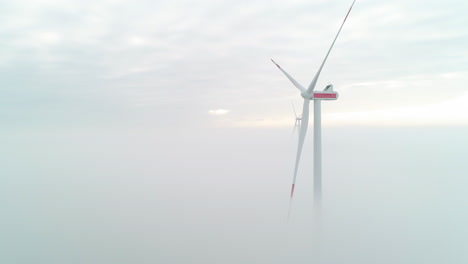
(349, 11)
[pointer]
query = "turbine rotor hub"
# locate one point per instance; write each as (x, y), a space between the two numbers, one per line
(306, 95)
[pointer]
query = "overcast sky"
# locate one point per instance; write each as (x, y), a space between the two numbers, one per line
(207, 63)
(108, 152)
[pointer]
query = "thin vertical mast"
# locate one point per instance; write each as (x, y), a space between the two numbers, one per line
(317, 151)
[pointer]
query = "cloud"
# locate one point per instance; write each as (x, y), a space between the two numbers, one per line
(177, 54)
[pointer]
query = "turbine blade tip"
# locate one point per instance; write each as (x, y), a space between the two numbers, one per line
(275, 63)
(292, 190)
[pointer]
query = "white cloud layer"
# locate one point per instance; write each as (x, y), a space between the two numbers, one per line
(65, 56)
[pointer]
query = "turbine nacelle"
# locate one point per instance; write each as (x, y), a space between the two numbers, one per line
(325, 95)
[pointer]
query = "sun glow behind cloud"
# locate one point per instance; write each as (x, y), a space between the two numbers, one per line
(451, 112)
(218, 112)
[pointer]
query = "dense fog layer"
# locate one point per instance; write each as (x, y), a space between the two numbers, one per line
(390, 195)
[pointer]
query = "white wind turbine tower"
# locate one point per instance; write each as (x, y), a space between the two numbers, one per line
(309, 94)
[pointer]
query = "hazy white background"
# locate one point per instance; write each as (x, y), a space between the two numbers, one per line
(390, 196)
(157, 132)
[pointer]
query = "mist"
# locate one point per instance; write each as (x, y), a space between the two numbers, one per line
(221, 195)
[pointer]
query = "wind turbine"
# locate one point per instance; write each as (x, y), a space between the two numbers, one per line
(309, 94)
(297, 123)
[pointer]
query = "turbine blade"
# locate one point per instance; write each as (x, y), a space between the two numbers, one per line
(314, 81)
(302, 134)
(298, 86)
(294, 110)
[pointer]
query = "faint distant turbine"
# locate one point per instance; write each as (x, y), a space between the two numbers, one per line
(309, 94)
(297, 122)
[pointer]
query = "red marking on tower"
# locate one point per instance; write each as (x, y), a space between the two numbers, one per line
(292, 190)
